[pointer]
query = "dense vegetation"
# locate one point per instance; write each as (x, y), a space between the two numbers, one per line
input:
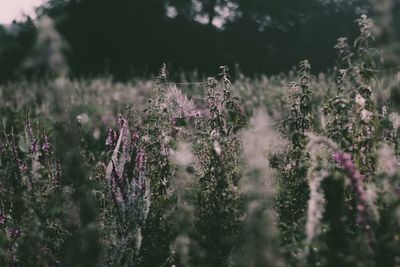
(287, 170)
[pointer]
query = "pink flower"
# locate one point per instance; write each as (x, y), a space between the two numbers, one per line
(2, 218)
(14, 233)
(109, 140)
(344, 159)
(121, 121)
(45, 146)
(139, 161)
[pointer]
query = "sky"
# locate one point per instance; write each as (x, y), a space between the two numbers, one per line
(14, 9)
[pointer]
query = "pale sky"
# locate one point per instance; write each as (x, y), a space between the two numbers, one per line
(13, 9)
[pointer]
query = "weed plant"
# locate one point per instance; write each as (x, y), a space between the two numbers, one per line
(296, 169)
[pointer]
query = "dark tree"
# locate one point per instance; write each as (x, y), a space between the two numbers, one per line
(125, 36)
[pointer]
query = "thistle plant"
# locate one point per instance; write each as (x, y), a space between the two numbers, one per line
(300, 119)
(337, 110)
(157, 129)
(292, 165)
(179, 105)
(218, 151)
(338, 127)
(352, 116)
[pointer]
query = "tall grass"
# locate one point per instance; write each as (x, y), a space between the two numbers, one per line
(290, 170)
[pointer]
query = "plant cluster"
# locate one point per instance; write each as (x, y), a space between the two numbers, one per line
(289, 170)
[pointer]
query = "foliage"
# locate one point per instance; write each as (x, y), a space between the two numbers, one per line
(286, 170)
(133, 37)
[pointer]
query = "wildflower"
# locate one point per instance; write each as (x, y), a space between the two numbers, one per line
(105, 119)
(217, 148)
(82, 119)
(184, 155)
(139, 161)
(146, 138)
(45, 146)
(134, 136)
(96, 133)
(387, 162)
(115, 138)
(366, 115)
(134, 140)
(33, 143)
(179, 105)
(34, 147)
(14, 233)
(360, 101)
(395, 119)
(344, 159)
(2, 218)
(164, 150)
(214, 134)
(109, 140)
(121, 121)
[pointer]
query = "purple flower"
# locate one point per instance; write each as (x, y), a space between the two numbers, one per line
(397, 190)
(14, 149)
(344, 159)
(115, 138)
(46, 145)
(121, 121)
(34, 147)
(125, 141)
(134, 139)
(14, 233)
(139, 161)
(105, 118)
(2, 218)
(109, 140)
(340, 156)
(134, 136)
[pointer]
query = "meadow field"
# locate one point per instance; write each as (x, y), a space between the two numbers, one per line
(295, 169)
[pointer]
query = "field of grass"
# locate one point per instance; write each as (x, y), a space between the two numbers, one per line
(298, 169)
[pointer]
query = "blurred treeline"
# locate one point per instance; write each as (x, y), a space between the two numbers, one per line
(125, 37)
